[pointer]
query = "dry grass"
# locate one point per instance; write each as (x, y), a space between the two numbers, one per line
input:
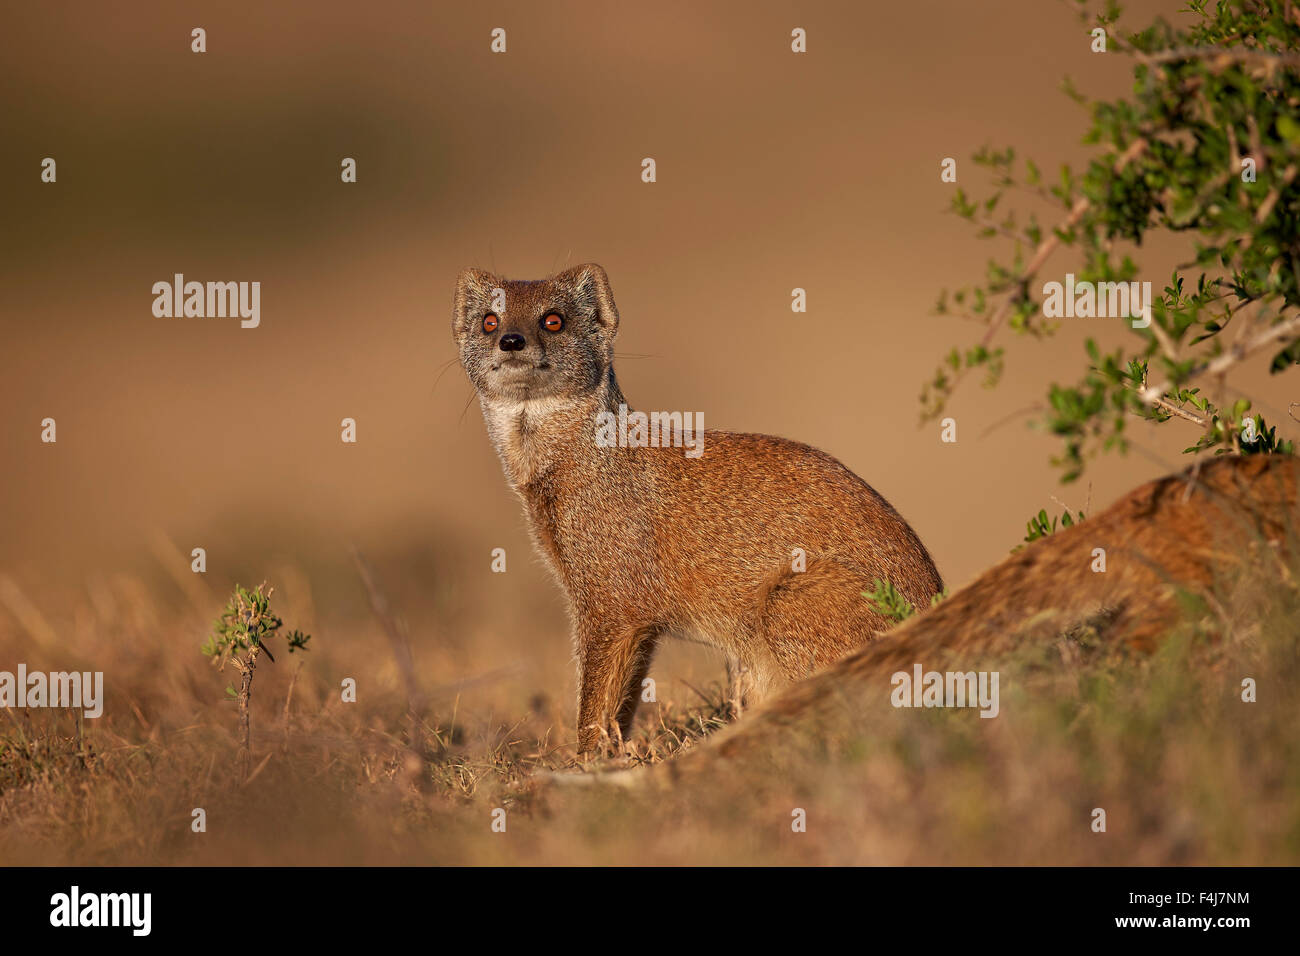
(1186, 771)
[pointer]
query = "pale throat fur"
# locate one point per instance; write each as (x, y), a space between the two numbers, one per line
(535, 437)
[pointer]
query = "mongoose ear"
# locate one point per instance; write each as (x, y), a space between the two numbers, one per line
(473, 292)
(591, 293)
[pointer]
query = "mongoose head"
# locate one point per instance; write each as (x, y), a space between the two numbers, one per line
(521, 341)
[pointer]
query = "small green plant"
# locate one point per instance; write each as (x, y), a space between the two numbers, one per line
(239, 635)
(887, 600)
(1254, 437)
(1040, 526)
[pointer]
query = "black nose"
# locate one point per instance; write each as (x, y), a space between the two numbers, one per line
(512, 342)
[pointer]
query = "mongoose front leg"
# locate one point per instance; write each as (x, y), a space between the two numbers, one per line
(612, 664)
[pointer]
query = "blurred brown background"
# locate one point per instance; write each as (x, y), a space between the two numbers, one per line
(775, 170)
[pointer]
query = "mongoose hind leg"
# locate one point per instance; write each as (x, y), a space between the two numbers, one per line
(740, 684)
(742, 689)
(808, 619)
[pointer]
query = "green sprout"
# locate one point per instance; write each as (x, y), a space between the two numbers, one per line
(239, 636)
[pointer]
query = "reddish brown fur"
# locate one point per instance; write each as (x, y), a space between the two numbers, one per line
(1241, 512)
(648, 542)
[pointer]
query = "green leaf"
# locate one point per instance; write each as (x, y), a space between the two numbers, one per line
(1289, 129)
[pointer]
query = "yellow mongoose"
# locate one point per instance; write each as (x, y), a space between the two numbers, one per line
(758, 546)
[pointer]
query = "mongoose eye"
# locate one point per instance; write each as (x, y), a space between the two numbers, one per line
(553, 322)
(490, 323)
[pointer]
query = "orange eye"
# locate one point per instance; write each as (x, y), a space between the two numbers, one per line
(553, 322)
(490, 323)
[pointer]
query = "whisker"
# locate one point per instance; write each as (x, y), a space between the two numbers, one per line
(443, 371)
(469, 401)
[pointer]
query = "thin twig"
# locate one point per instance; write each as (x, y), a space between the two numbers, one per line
(1223, 55)
(396, 631)
(1152, 395)
(1173, 409)
(288, 698)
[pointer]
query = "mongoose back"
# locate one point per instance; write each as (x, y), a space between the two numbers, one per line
(758, 546)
